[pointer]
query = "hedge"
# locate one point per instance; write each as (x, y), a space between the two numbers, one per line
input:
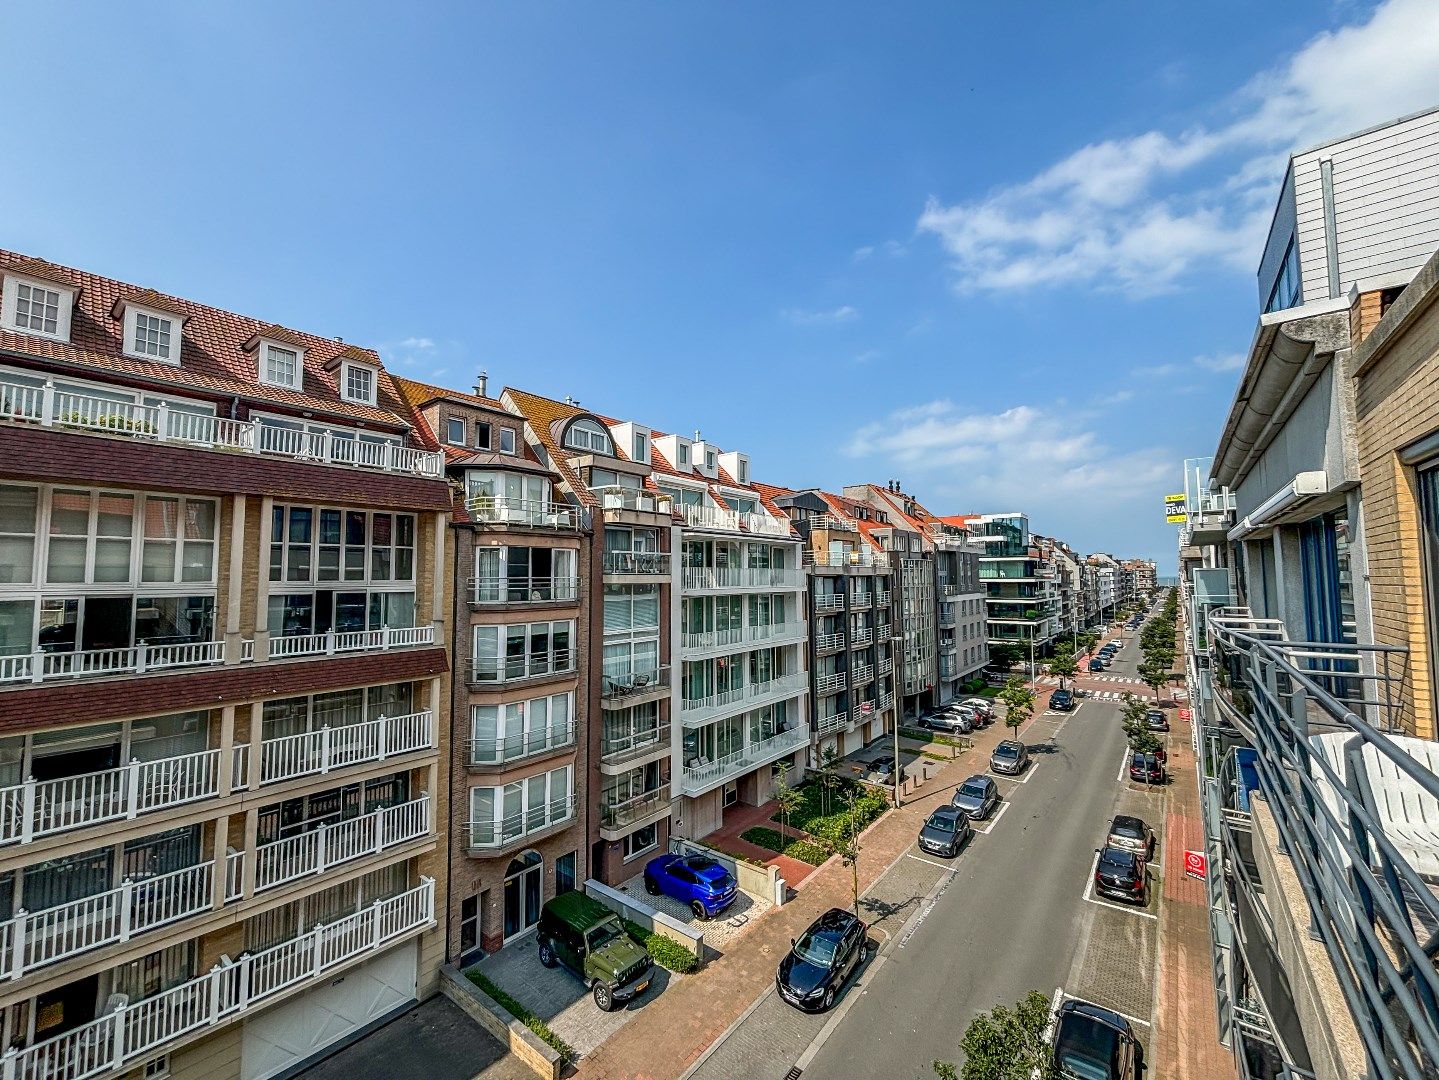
(803, 850)
(666, 952)
(524, 1016)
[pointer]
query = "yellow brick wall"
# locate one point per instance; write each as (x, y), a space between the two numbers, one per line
(1397, 403)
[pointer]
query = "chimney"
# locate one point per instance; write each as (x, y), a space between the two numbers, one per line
(697, 435)
(482, 384)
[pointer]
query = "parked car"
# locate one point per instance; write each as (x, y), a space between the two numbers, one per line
(982, 706)
(1097, 664)
(704, 884)
(945, 831)
(589, 940)
(1061, 701)
(814, 970)
(1128, 831)
(1094, 1043)
(1162, 754)
(946, 721)
(1155, 720)
(1009, 757)
(1145, 769)
(885, 767)
(1121, 873)
(1117, 643)
(977, 797)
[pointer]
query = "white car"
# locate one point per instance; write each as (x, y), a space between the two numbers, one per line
(983, 706)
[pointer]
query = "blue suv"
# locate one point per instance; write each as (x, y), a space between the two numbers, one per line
(697, 880)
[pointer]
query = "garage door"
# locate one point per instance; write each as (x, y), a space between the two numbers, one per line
(307, 1023)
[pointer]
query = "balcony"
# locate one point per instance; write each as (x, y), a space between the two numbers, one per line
(830, 523)
(649, 564)
(523, 590)
(482, 753)
(95, 663)
(861, 637)
(704, 775)
(882, 598)
(48, 407)
(886, 667)
(827, 643)
(635, 746)
(861, 674)
(232, 990)
(721, 578)
(622, 816)
(949, 590)
(886, 701)
(946, 618)
(493, 837)
(828, 602)
(311, 854)
(615, 500)
(525, 513)
(697, 711)
(832, 683)
(491, 671)
(766, 633)
(624, 689)
(764, 525)
(864, 558)
(862, 601)
(709, 517)
(330, 748)
(882, 632)
(828, 725)
(332, 643)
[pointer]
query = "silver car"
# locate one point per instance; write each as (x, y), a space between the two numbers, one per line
(983, 706)
(947, 721)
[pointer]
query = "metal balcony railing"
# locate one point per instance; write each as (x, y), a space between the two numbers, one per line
(862, 557)
(828, 642)
(705, 516)
(493, 670)
(1356, 808)
(764, 525)
(160, 423)
(531, 513)
(520, 745)
(742, 635)
(622, 683)
(696, 711)
(828, 602)
(646, 563)
(824, 725)
(699, 578)
(882, 598)
(832, 683)
(512, 829)
(701, 775)
(617, 749)
(621, 814)
(329, 644)
(621, 498)
(830, 523)
(863, 673)
(860, 637)
(92, 663)
(862, 601)
(524, 590)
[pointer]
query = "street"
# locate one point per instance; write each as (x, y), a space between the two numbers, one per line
(1015, 914)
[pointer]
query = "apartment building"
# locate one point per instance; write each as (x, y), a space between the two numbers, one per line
(853, 633)
(223, 608)
(1144, 575)
(1108, 589)
(1022, 593)
(1070, 575)
(523, 691)
(1308, 554)
(960, 607)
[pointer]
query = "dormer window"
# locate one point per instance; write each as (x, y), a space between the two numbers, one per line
(280, 366)
(682, 456)
(152, 335)
(642, 447)
(587, 435)
(743, 473)
(710, 460)
(507, 440)
(455, 432)
(41, 308)
(357, 383)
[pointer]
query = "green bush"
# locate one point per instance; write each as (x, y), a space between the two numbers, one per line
(764, 837)
(808, 851)
(524, 1016)
(664, 951)
(804, 850)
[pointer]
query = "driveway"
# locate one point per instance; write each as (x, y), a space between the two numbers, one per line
(559, 998)
(719, 933)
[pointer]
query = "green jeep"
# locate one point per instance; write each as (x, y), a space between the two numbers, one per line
(589, 939)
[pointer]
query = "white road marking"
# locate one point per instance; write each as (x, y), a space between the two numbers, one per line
(1089, 889)
(1123, 766)
(1060, 995)
(992, 822)
(1028, 772)
(931, 862)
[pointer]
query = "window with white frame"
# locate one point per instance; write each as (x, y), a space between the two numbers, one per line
(357, 383)
(517, 729)
(37, 307)
(682, 455)
(588, 435)
(152, 335)
(642, 447)
(507, 440)
(455, 432)
(631, 627)
(499, 815)
(523, 651)
(641, 840)
(317, 544)
(744, 472)
(280, 366)
(518, 574)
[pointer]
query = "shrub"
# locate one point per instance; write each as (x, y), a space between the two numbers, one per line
(664, 951)
(524, 1016)
(808, 851)
(763, 837)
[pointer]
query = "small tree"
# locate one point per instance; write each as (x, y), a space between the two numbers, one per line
(1154, 673)
(1063, 664)
(788, 800)
(1005, 655)
(845, 842)
(1006, 1044)
(1145, 742)
(827, 779)
(1019, 703)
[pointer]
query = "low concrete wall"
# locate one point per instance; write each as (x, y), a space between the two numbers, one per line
(758, 881)
(656, 921)
(497, 1020)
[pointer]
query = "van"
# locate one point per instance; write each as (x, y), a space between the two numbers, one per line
(589, 939)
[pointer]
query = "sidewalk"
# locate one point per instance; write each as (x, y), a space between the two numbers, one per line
(688, 1017)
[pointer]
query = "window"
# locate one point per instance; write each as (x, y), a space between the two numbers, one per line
(507, 440)
(36, 308)
(455, 432)
(588, 435)
(482, 435)
(469, 926)
(1287, 291)
(517, 729)
(523, 651)
(682, 455)
(642, 447)
(566, 875)
(499, 815)
(520, 574)
(280, 366)
(152, 335)
(710, 460)
(358, 383)
(744, 472)
(641, 840)
(320, 544)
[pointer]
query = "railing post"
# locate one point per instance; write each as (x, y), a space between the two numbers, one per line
(321, 844)
(377, 930)
(127, 908)
(385, 636)
(379, 828)
(47, 404)
(117, 1034)
(318, 961)
(325, 748)
(142, 656)
(162, 421)
(214, 993)
(242, 982)
(18, 933)
(382, 739)
(329, 643)
(37, 666)
(27, 810)
(7, 1064)
(132, 788)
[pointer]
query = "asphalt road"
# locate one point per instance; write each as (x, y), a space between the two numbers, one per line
(1012, 920)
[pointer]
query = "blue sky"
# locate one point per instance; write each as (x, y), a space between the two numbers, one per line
(1003, 252)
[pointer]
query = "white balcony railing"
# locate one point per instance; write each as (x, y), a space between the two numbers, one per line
(623, 814)
(512, 829)
(885, 701)
(861, 674)
(828, 642)
(699, 710)
(230, 990)
(490, 669)
(765, 525)
(91, 663)
(709, 517)
(861, 601)
(535, 513)
(827, 602)
(863, 556)
(860, 637)
(647, 563)
(49, 407)
(311, 853)
(824, 725)
(521, 589)
(699, 578)
(331, 748)
(702, 775)
(882, 598)
(33, 940)
(331, 643)
(886, 667)
(882, 631)
(647, 502)
(829, 684)
(741, 635)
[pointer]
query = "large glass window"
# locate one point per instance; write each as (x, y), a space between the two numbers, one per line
(523, 651)
(325, 544)
(588, 436)
(1287, 290)
(494, 494)
(501, 814)
(519, 728)
(519, 574)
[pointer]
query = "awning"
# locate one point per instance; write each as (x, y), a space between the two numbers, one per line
(1293, 496)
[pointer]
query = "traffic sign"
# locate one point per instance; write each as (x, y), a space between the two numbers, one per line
(1194, 863)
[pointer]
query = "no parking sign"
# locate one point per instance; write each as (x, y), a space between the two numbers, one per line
(1194, 863)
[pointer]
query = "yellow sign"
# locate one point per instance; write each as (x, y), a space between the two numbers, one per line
(1174, 509)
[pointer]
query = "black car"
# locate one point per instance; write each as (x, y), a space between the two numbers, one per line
(814, 970)
(1093, 1043)
(1120, 873)
(1155, 720)
(1097, 665)
(1009, 757)
(1061, 701)
(1145, 769)
(945, 832)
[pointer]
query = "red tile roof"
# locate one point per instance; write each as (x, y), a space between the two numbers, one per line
(213, 361)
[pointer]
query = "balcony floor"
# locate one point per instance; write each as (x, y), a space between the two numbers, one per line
(439, 1033)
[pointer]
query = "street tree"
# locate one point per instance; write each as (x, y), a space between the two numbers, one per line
(845, 843)
(1154, 672)
(827, 778)
(1063, 664)
(1018, 699)
(1006, 1044)
(787, 798)
(1005, 655)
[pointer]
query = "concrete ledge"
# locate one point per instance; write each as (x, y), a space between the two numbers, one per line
(498, 1021)
(656, 921)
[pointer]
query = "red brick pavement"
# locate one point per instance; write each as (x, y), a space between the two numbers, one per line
(738, 819)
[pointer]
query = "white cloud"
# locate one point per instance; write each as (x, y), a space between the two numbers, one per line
(867, 356)
(1221, 362)
(1137, 214)
(1218, 363)
(862, 253)
(417, 343)
(834, 316)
